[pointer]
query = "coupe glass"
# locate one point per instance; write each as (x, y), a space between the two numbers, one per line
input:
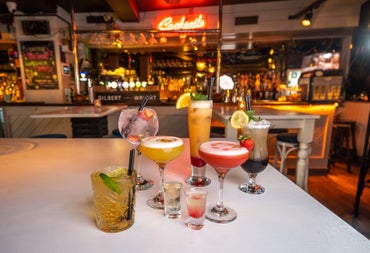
(258, 157)
(222, 156)
(133, 126)
(199, 123)
(162, 150)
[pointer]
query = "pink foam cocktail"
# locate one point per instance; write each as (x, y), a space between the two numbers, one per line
(222, 156)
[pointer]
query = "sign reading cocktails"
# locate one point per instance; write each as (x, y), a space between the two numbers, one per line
(175, 23)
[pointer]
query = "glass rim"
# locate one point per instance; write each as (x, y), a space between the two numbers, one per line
(196, 190)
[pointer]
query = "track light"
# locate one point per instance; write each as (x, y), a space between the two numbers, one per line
(306, 21)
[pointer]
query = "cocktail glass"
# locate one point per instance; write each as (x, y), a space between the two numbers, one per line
(199, 123)
(114, 198)
(258, 157)
(162, 150)
(133, 126)
(222, 156)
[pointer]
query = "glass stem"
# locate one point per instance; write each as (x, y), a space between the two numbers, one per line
(198, 171)
(138, 163)
(161, 181)
(252, 179)
(220, 202)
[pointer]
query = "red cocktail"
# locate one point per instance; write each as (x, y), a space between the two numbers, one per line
(222, 156)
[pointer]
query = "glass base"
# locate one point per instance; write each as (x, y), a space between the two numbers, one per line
(252, 189)
(225, 215)
(195, 226)
(156, 202)
(143, 184)
(198, 181)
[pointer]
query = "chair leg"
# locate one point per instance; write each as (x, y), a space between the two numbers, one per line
(277, 151)
(282, 161)
(348, 150)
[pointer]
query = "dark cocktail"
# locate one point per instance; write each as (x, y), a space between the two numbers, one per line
(258, 157)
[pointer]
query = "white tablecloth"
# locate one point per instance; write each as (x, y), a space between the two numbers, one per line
(46, 206)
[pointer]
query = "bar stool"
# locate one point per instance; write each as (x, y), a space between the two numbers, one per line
(343, 131)
(285, 143)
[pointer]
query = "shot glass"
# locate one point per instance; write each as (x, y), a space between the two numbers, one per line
(114, 198)
(196, 208)
(172, 198)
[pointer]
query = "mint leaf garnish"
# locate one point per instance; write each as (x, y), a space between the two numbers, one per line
(198, 96)
(251, 116)
(250, 113)
(108, 181)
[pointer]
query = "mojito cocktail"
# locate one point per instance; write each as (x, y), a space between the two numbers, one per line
(114, 198)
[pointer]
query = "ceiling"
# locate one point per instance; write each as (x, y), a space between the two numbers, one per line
(125, 10)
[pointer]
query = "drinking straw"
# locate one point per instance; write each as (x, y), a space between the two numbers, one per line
(131, 162)
(125, 131)
(248, 102)
(211, 88)
(143, 102)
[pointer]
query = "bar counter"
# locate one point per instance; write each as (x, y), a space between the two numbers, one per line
(47, 206)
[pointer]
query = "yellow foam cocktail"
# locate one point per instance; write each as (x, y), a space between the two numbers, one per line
(161, 149)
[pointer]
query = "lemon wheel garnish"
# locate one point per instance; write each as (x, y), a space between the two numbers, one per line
(183, 101)
(239, 119)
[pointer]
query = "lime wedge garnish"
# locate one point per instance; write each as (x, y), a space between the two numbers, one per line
(116, 173)
(109, 182)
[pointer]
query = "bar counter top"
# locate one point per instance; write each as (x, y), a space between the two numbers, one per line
(161, 103)
(47, 206)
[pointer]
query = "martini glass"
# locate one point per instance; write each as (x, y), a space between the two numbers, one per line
(133, 126)
(258, 157)
(161, 150)
(222, 156)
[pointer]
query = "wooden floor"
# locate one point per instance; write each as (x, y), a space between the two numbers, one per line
(337, 192)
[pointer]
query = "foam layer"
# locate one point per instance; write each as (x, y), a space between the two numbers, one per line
(161, 142)
(201, 104)
(259, 124)
(223, 148)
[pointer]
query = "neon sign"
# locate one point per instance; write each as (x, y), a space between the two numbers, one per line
(170, 23)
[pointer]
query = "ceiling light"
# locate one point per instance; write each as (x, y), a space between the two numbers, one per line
(201, 65)
(306, 21)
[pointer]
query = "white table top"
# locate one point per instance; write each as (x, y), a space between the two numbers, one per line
(80, 112)
(46, 206)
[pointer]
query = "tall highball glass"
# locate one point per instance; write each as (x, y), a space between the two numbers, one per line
(199, 123)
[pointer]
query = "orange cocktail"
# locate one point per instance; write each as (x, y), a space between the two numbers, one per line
(199, 124)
